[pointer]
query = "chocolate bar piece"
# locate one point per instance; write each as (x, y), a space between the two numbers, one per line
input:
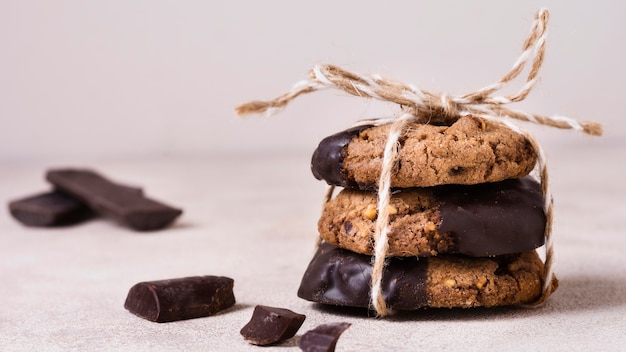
(113, 200)
(323, 337)
(49, 209)
(270, 325)
(179, 299)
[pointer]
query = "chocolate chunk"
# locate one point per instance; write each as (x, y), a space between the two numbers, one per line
(323, 338)
(270, 325)
(327, 160)
(493, 218)
(178, 299)
(342, 278)
(113, 200)
(49, 209)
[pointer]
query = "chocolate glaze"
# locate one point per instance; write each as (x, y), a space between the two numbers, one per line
(494, 218)
(327, 160)
(340, 277)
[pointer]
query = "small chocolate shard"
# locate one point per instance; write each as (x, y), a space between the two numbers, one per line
(179, 299)
(49, 209)
(124, 205)
(323, 338)
(270, 325)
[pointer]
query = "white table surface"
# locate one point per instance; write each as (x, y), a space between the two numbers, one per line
(254, 219)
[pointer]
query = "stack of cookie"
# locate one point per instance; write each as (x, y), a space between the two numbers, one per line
(465, 218)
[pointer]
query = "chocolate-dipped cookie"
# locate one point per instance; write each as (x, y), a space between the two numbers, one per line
(470, 151)
(339, 277)
(479, 220)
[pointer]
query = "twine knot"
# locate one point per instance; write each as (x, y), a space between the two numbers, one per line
(421, 106)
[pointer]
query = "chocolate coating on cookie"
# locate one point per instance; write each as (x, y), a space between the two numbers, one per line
(493, 219)
(477, 220)
(327, 160)
(339, 277)
(342, 278)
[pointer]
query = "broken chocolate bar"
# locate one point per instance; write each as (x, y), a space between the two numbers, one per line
(179, 299)
(113, 200)
(49, 209)
(270, 325)
(323, 337)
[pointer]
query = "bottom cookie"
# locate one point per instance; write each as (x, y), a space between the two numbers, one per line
(340, 277)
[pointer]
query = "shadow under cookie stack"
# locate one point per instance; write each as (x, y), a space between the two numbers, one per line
(464, 218)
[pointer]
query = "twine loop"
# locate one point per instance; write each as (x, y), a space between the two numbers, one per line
(421, 106)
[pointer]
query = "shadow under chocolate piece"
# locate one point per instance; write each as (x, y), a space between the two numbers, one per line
(119, 202)
(179, 299)
(49, 209)
(270, 325)
(323, 338)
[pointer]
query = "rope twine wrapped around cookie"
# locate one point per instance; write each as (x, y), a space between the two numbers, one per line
(423, 107)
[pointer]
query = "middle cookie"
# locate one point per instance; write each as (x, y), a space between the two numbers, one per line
(479, 220)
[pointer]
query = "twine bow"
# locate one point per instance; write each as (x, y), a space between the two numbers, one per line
(421, 106)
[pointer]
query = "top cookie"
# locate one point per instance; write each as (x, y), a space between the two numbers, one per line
(470, 151)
